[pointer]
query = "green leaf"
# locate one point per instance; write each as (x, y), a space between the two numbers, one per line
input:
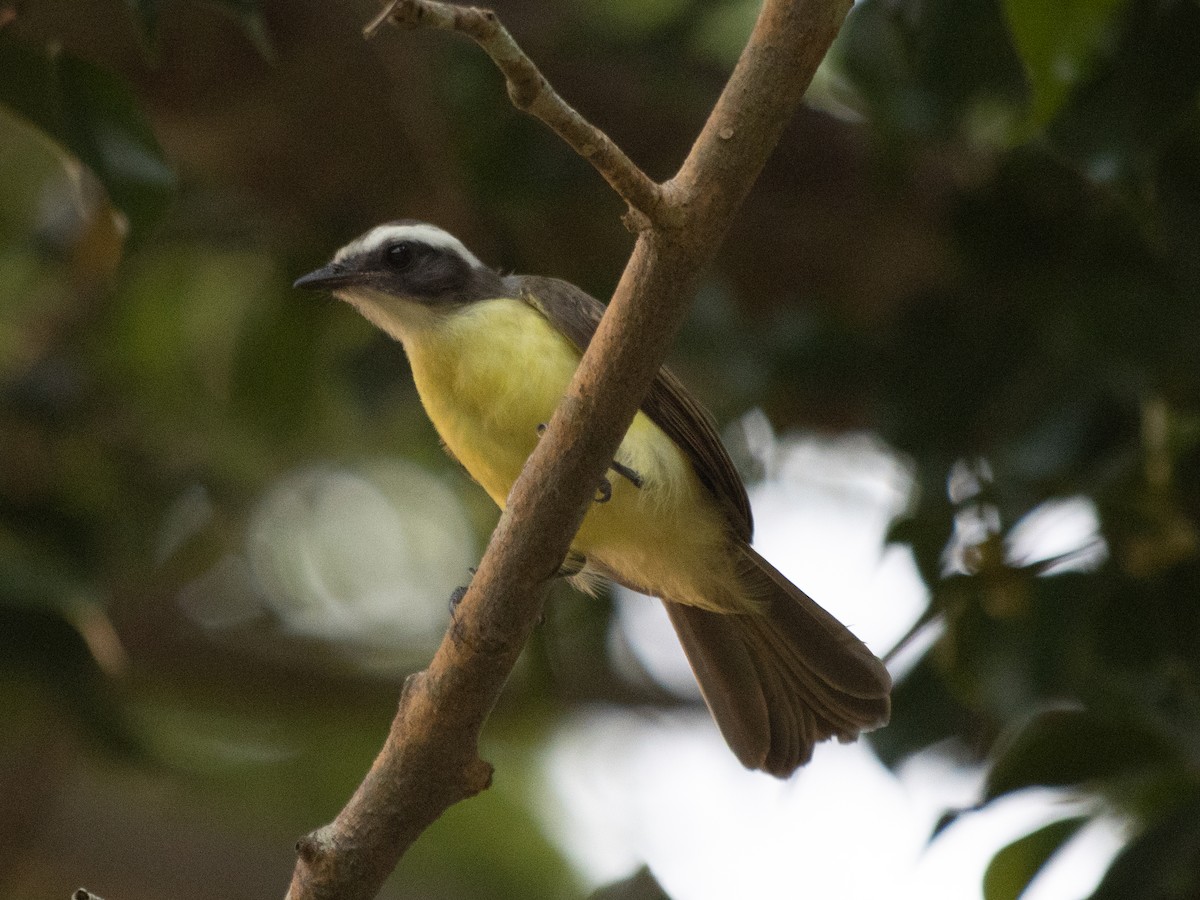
(105, 129)
(1060, 748)
(1013, 869)
(92, 115)
(1059, 43)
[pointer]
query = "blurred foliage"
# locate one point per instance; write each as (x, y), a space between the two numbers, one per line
(1014, 867)
(94, 117)
(989, 253)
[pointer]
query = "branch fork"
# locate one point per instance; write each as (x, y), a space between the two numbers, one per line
(531, 93)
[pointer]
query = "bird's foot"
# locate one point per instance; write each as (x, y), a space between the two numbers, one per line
(604, 489)
(459, 592)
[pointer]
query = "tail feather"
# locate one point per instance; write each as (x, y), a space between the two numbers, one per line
(843, 661)
(833, 710)
(728, 678)
(780, 681)
(790, 732)
(836, 706)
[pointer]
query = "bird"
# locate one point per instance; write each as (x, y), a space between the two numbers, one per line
(491, 356)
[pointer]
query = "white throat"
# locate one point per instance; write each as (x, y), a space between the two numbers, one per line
(399, 319)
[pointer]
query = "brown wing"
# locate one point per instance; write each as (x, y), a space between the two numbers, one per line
(669, 404)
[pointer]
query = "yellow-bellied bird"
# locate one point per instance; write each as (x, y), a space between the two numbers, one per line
(491, 357)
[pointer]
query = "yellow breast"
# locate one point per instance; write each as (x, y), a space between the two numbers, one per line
(488, 375)
(492, 372)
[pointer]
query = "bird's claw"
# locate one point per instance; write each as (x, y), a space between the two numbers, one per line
(603, 491)
(459, 592)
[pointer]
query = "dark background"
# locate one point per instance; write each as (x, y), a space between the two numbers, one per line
(980, 241)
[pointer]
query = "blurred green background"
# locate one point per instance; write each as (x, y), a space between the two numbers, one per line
(227, 531)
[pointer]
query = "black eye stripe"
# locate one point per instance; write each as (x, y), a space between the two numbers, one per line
(400, 255)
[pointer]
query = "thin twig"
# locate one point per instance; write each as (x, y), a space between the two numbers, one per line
(530, 92)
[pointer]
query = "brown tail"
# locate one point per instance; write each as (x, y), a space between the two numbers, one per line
(780, 681)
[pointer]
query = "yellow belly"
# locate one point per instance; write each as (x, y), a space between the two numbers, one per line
(493, 372)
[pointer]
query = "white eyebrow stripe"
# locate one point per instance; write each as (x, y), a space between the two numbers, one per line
(420, 233)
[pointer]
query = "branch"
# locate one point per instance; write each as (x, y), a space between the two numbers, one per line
(530, 92)
(430, 760)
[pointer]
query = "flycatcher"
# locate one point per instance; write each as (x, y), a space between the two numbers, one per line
(492, 356)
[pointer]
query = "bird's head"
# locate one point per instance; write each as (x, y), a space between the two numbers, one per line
(405, 273)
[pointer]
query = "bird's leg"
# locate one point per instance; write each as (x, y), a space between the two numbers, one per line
(604, 489)
(621, 469)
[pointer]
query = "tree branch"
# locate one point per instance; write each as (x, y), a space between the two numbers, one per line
(530, 92)
(430, 760)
